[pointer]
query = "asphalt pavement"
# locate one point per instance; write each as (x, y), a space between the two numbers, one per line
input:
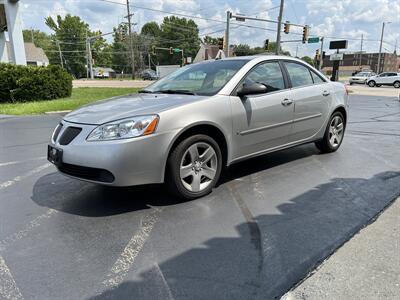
(270, 222)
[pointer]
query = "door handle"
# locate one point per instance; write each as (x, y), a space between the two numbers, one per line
(286, 102)
(326, 93)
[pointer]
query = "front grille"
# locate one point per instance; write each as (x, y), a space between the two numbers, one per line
(69, 134)
(57, 132)
(94, 174)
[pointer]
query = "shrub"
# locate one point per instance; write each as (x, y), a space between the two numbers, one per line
(29, 83)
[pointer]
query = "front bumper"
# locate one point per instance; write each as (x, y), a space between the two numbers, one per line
(357, 80)
(124, 162)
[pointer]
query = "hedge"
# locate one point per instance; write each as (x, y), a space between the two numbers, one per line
(30, 83)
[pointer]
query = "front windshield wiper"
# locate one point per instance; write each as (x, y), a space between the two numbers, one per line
(145, 92)
(183, 92)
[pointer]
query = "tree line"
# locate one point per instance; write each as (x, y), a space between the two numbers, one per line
(70, 33)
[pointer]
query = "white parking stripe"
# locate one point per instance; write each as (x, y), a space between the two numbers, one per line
(8, 287)
(19, 178)
(36, 222)
(9, 163)
(125, 261)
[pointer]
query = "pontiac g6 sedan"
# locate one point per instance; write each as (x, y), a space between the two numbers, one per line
(184, 128)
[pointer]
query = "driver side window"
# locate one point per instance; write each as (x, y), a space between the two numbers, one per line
(268, 74)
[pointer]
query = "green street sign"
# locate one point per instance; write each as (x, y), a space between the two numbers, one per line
(176, 50)
(313, 40)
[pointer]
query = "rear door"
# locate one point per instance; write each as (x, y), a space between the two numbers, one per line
(262, 121)
(312, 96)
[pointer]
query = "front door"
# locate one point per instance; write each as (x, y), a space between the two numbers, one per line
(262, 122)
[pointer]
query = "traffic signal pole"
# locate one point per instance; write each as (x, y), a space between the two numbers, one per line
(321, 54)
(228, 18)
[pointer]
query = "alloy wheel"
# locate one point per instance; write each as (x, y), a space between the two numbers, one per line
(198, 167)
(336, 128)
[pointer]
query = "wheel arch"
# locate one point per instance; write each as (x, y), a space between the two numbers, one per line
(343, 111)
(207, 128)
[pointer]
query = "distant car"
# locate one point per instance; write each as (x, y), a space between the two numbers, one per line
(386, 78)
(184, 128)
(149, 74)
(361, 77)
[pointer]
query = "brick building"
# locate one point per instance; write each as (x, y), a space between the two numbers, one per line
(369, 61)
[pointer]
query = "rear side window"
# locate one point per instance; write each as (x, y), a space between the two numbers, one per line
(269, 74)
(316, 78)
(299, 74)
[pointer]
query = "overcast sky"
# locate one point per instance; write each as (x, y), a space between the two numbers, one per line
(334, 19)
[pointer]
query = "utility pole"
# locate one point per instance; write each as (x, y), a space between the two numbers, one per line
(59, 52)
(362, 39)
(321, 54)
(278, 34)
(380, 49)
(228, 18)
(130, 38)
(90, 58)
(32, 37)
(148, 56)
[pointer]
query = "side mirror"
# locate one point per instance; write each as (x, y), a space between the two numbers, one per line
(252, 89)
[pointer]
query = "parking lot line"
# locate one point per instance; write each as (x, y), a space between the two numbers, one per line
(125, 261)
(36, 222)
(8, 287)
(9, 163)
(26, 175)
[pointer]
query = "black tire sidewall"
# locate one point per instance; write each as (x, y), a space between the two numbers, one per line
(324, 145)
(371, 82)
(173, 179)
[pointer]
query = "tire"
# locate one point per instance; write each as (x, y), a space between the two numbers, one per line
(202, 171)
(328, 143)
(396, 84)
(371, 83)
(351, 83)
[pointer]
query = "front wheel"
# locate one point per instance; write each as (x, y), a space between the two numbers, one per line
(371, 83)
(194, 167)
(396, 84)
(334, 133)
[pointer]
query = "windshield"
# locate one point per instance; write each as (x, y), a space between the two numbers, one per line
(199, 79)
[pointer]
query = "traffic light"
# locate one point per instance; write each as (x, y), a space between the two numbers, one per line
(221, 43)
(266, 44)
(153, 50)
(323, 54)
(286, 27)
(305, 34)
(317, 56)
(170, 50)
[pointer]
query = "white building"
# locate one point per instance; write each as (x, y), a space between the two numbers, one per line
(11, 28)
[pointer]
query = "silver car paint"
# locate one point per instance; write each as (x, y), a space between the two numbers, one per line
(252, 126)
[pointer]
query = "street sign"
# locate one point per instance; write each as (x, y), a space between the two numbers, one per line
(336, 56)
(313, 40)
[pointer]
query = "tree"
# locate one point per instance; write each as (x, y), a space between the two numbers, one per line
(209, 40)
(151, 29)
(71, 33)
(308, 60)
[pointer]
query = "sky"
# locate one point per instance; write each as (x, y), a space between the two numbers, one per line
(334, 19)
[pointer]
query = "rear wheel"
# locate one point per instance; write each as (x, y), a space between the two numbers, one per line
(194, 167)
(334, 133)
(371, 83)
(396, 84)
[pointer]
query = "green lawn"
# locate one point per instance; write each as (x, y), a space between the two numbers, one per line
(79, 97)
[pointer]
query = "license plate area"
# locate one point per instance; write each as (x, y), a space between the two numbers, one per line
(54, 155)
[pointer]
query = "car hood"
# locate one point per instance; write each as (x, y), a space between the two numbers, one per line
(128, 106)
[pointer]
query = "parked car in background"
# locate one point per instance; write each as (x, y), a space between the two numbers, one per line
(386, 78)
(149, 74)
(361, 77)
(184, 128)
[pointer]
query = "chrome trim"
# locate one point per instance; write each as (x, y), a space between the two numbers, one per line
(245, 132)
(307, 118)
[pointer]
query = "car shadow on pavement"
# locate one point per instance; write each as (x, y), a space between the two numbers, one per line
(73, 196)
(306, 229)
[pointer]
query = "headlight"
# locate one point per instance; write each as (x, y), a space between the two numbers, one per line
(124, 129)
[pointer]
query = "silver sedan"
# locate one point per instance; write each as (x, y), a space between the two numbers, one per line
(184, 128)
